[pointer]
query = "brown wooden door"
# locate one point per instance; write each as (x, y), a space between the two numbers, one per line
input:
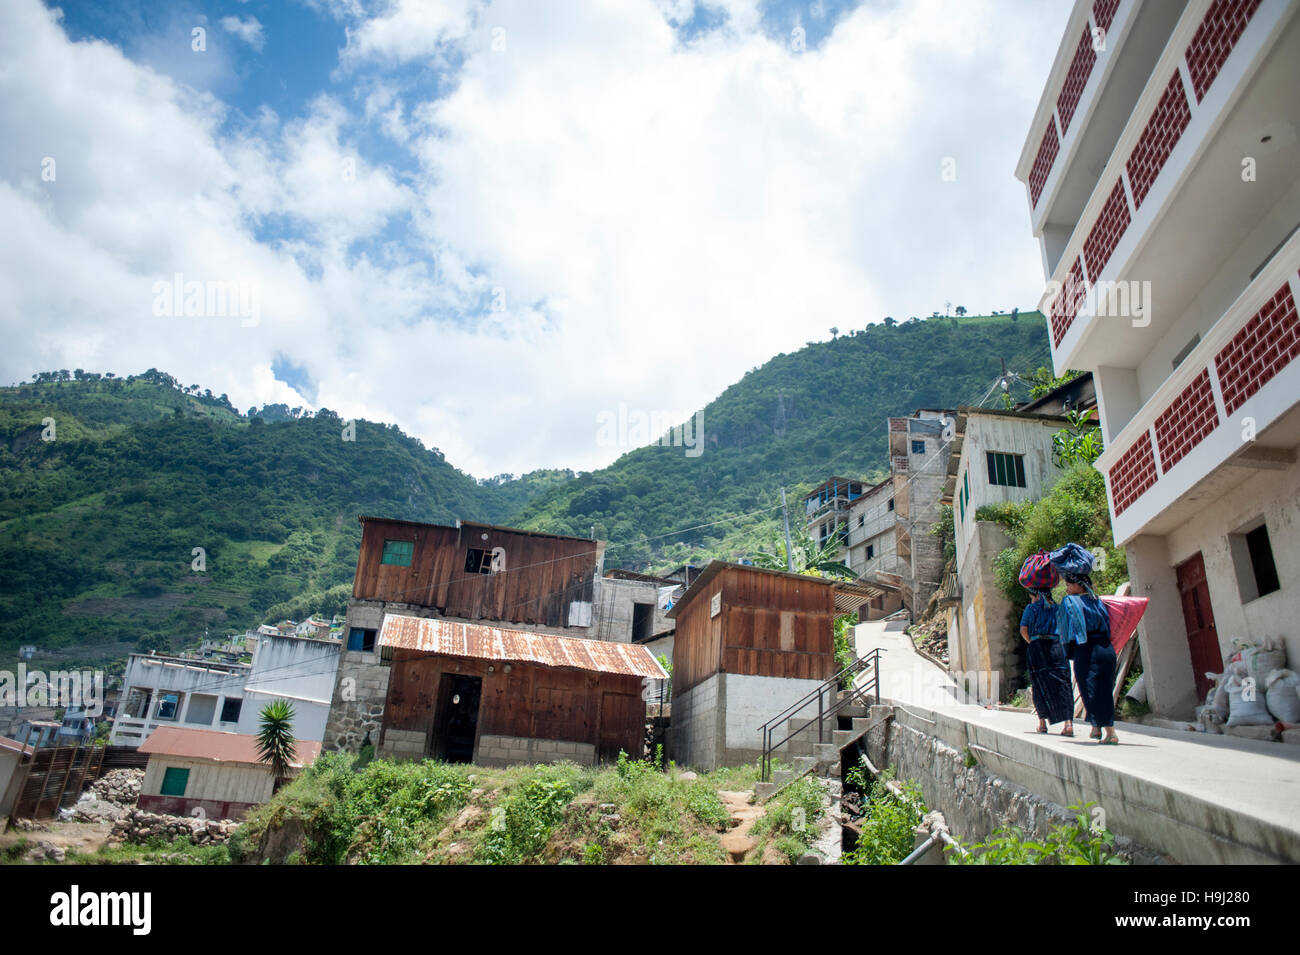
(1198, 615)
(622, 725)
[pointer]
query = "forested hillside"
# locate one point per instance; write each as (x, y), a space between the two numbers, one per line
(98, 526)
(800, 418)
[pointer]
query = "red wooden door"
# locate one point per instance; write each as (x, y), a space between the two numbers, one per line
(1198, 615)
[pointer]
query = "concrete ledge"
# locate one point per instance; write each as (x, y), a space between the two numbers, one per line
(512, 750)
(1200, 798)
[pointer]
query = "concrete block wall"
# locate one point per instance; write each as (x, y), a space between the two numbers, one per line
(511, 750)
(695, 735)
(404, 744)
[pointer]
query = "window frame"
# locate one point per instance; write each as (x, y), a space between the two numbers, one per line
(402, 548)
(182, 773)
(1006, 469)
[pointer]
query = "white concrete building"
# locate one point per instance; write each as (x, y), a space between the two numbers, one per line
(174, 691)
(997, 457)
(1163, 176)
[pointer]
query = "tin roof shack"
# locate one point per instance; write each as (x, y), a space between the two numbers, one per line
(749, 643)
(219, 773)
(475, 573)
(492, 696)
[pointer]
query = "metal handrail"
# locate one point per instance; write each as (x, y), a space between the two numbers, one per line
(798, 704)
(854, 693)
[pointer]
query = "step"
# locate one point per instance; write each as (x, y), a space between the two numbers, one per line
(781, 776)
(803, 764)
(827, 753)
(799, 746)
(763, 790)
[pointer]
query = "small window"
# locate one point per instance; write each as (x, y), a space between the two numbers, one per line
(918, 447)
(862, 520)
(361, 639)
(479, 561)
(398, 553)
(1006, 470)
(871, 551)
(891, 503)
(174, 781)
(203, 707)
(137, 704)
(230, 709)
(168, 707)
(643, 618)
(1252, 557)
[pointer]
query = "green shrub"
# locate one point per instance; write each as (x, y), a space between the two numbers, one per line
(792, 819)
(886, 830)
(1079, 842)
(522, 822)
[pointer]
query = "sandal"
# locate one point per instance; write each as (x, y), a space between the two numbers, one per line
(1068, 732)
(1110, 741)
(1041, 728)
(1095, 734)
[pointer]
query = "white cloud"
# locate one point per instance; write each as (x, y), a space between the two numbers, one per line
(249, 30)
(656, 217)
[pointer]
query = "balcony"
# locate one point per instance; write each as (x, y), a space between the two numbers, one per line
(1176, 222)
(1100, 70)
(1231, 407)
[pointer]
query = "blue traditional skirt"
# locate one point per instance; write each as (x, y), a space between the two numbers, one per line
(1049, 677)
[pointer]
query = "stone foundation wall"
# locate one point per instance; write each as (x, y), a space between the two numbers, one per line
(973, 800)
(511, 750)
(360, 692)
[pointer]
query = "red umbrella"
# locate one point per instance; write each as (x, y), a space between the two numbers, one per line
(1125, 612)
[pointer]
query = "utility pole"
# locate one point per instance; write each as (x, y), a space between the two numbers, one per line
(789, 553)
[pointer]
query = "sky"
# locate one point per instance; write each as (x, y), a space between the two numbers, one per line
(498, 224)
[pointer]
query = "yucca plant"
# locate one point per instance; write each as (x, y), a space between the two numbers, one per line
(275, 740)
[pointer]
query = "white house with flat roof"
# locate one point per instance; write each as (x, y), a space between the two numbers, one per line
(1163, 176)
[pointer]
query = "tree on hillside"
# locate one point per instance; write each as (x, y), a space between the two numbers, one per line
(810, 558)
(275, 741)
(961, 309)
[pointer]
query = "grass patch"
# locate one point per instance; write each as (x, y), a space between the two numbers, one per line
(792, 821)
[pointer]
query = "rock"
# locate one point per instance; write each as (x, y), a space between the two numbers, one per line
(809, 858)
(687, 776)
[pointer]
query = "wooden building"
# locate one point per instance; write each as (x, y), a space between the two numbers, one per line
(749, 643)
(218, 773)
(470, 573)
(492, 696)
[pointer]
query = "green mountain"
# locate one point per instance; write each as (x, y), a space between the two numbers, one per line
(98, 526)
(797, 420)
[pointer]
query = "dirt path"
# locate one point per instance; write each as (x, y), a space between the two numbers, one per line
(737, 842)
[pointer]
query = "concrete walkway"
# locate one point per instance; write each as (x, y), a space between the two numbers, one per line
(1229, 799)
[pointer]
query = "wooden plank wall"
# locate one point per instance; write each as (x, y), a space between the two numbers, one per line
(543, 575)
(539, 702)
(770, 625)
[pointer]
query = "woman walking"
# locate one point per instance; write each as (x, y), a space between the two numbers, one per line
(1049, 674)
(1085, 630)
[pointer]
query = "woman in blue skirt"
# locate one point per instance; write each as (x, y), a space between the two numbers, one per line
(1049, 674)
(1085, 630)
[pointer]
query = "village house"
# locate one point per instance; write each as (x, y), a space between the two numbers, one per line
(1163, 185)
(919, 452)
(217, 773)
(177, 691)
(997, 457)
(464, 692)
(826, 508)
(871, 549)
(749, 642)
(480, 642)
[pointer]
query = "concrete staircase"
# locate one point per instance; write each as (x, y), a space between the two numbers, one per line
(804, 754)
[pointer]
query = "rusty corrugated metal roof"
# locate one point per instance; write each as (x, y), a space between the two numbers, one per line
(218, 746)
(456, 639)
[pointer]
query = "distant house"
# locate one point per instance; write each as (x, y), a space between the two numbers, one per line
(174, 691)
(38, 733)
(871, 549)
(919, 454)
(826, 507)
(470, 573)
(749, 642)
(463, 692)
(218, 773)
(999, 456)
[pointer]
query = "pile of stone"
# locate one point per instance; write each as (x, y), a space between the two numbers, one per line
(138, 827)
(45, 851)
(109, 798)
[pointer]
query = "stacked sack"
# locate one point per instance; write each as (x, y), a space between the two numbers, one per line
(1255, 696)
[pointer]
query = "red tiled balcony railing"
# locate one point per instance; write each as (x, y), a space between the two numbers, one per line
(1076, 78)
(1257, 340)
(1163, 127)
(1217, 35)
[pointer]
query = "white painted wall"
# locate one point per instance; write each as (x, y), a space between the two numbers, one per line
(752, 700)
